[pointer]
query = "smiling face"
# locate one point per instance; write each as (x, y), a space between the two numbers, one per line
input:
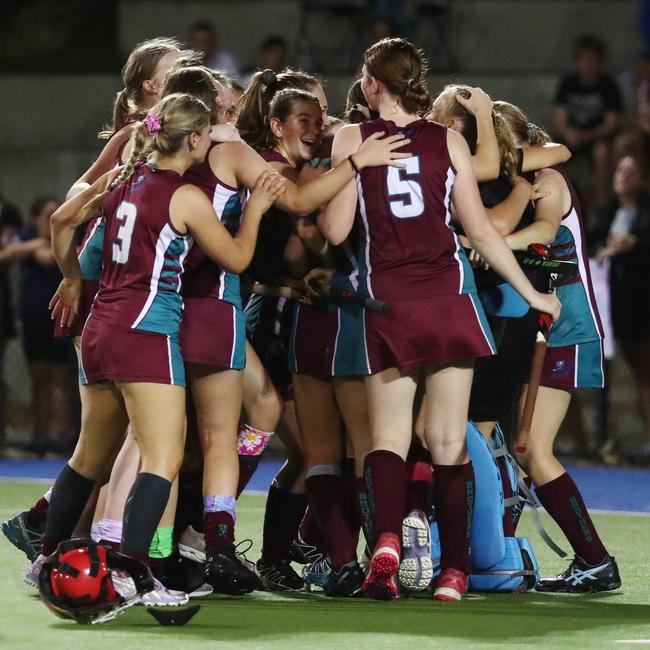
(299, 134)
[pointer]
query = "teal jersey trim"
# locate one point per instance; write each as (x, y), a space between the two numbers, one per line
(92, 252)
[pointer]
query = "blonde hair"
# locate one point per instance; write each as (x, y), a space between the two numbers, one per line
(179, 115)
(139, 67)
(455, 110)
(523, 131)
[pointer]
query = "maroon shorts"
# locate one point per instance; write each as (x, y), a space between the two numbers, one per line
(427, 332)
(313, 337)
(114, 353)
(213, 332)
(89, 289)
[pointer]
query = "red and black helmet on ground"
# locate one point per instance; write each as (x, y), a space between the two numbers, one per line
(76, 581)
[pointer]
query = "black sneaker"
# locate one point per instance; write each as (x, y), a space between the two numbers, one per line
(581, 577)
(346, 582)
(180, 574)
(226, 574)
(279, 577)
(23, 535)
(303, 552)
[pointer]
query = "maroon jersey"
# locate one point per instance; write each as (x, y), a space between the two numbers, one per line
(204, 278)
(408, 248)
(143, 254)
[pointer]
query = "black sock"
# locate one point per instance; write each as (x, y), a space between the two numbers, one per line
(282, 516)
(70, 493)
(144, 508)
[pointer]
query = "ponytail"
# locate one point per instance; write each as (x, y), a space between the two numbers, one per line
(415, 99)
(536, 135)
(121, 112)
(507, 147)
(254, 105)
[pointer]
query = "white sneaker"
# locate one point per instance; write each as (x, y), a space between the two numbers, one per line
(204, 590)
(161, 596)
(123, 584)
(192, 545)
(31, 577)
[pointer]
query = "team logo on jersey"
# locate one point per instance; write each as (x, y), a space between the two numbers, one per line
(137, 182)
(561, 369)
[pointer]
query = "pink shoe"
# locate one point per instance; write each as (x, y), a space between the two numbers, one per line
(451, 585)
(381, 583)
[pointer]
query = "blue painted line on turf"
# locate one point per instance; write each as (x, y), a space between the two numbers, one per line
(603, 488)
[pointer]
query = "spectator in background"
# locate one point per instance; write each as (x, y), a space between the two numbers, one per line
(48, 358)
(622, 236)
(272, 54)
(10, 224)
(588, 107)
(202, 37)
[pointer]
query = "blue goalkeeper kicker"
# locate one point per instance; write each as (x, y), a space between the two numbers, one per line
(487, 539)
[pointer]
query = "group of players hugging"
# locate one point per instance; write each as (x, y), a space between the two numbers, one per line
(332, 280)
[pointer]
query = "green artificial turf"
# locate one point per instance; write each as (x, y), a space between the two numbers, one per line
(305, 621)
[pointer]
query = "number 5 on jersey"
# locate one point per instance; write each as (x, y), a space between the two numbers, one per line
(409, 202)
(126, 214)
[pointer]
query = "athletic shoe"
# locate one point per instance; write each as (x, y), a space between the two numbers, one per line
(31, 577)
(23, 535)
(160, 596)
(180, 574)
(191, 545)
(204, 590)
(227, 574)
(123, 584)
(451, 585)
(303, 552)
(316, 574)
(581, 577)
(346, 582)
(384, 564)
(279, 577)
(416, 568)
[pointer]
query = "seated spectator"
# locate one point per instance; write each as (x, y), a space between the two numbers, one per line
(588, 107)
(48, 358)
(203, 38)
(622, 236)
(10, 224)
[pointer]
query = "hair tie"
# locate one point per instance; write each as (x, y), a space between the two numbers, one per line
(269, 78)
(153, 124)
(360, 108)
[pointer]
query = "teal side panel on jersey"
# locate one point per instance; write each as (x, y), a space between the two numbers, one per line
(253, 313)
(176, 361)
(485, 326)
(231, 218)
(239, 353)
(164, 313)
(469, 286)
(590, 373)
(350, 353)
(83, 380)
(231, 290)
(90, 258)
(576, 323)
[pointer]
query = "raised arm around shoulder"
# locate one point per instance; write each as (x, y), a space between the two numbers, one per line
(482, 235)
(546, 155)
(548, 212)
(337, 218)
(103, 163)
(191, 211)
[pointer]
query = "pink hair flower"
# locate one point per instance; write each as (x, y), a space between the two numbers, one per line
(153, 124)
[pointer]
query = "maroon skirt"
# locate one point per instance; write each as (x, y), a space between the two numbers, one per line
(428, 332)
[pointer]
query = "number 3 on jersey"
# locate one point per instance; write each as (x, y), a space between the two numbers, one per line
(125, 214)
(409, 202)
